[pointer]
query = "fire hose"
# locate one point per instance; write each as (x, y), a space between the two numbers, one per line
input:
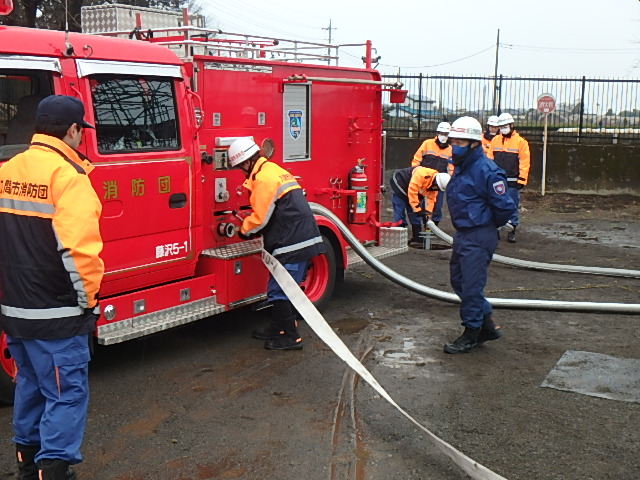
(513, 304)
(609, 272)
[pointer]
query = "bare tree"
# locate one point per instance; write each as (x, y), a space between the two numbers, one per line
(50, 14)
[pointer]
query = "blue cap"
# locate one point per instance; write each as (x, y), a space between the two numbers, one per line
(61, 110)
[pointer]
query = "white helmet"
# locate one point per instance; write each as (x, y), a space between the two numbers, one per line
(505, 119)
(444, 127)
(442, 180)
(242, 150)
(466, 128)
(493, 121)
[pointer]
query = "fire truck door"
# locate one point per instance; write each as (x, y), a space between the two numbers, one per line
(144, 168)
(24, 81)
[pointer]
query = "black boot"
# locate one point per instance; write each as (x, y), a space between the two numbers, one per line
(280, 310)
(26, 457)
(289, 339)
(511, 236)
(464, 343)
(55, 470)
(489, 331)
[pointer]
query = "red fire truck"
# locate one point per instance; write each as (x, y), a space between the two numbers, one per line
(166, 105)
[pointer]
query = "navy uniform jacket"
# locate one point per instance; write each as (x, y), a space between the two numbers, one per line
(281, 213)
(476, 194)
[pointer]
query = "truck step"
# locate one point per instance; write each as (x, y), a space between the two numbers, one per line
(393, 241)
(149, 323)
(235, 250)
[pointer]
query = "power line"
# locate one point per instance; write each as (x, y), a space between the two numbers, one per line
(534, 48)
(243, 19)
(445, 63)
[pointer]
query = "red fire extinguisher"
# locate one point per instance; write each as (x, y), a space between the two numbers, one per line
(358, 203)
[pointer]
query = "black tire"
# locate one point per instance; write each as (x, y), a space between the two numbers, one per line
(7, 387)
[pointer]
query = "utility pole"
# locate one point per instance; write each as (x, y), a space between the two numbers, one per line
(329, 49)
(495, 74)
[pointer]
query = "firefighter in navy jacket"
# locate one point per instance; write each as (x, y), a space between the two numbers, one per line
(281, 214)
(50, 274)
(478, 205)
(511, 152)
(436, 153)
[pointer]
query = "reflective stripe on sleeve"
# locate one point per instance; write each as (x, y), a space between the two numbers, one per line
(395, 181)
(27, 206)
(41, 313)
(267, 217)
(75, 277)
(296, 246)
(285, 186)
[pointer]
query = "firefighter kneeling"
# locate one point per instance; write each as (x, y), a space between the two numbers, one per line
(281, 214)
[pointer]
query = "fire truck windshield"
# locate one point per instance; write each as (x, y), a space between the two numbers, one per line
(134, 113)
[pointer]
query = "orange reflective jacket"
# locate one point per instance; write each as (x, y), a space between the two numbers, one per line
(430, 155)
(512, 155)
(420, 186)
(486, 142)
(281, 213)
(414, 183)
(50, 268)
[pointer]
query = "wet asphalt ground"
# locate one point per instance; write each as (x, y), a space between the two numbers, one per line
(206, 401)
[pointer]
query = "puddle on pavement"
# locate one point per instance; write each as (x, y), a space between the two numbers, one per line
(403, 356)
(617, 234)
(350, 325)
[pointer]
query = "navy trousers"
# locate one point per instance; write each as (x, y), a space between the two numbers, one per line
(469, 266)
(400, 207)
(52, 395)
(296, 270)
(514, 193)
(437, 208)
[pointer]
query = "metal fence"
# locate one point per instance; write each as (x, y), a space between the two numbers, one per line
(590, 111)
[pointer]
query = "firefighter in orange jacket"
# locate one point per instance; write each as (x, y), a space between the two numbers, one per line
(409, 186)
(281, 214)
(511, 152)
(490, 133)
(50, 274)
(435, 153)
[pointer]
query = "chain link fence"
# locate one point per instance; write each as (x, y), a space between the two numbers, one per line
(588, 110)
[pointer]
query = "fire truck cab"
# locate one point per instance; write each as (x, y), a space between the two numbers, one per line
(166, 107)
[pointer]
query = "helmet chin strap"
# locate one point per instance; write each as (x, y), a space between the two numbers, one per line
(249, 165)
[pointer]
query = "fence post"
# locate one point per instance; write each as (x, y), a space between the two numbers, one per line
(581, 125)
(420, 106)
(499, 111)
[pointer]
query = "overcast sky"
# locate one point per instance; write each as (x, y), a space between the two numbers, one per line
(562, 38)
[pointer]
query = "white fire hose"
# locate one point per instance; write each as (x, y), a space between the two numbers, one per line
(609, 272)
(514, 304)
(318, 324)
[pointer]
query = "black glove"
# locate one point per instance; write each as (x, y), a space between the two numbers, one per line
(245, 236)
(519, 186)
(423, 214)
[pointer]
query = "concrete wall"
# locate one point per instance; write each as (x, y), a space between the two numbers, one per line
(571, 168)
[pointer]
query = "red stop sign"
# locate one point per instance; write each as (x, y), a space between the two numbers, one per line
(546, 103)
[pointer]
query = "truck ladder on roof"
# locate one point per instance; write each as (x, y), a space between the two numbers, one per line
(189, 41)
